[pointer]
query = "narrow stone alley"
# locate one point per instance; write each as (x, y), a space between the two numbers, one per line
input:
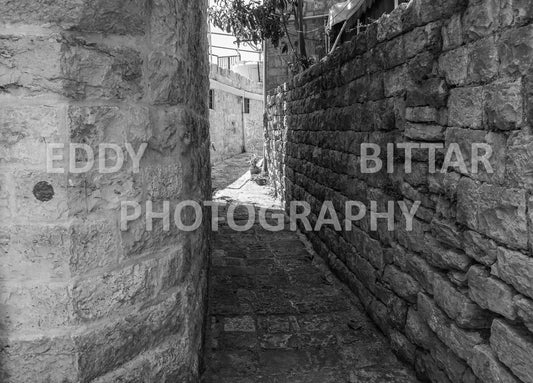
(277, 315)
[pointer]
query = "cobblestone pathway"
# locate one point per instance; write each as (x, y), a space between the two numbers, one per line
(276, 315)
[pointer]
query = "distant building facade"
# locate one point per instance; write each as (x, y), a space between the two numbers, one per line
(235, 114)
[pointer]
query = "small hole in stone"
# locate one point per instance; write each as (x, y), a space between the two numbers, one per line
(43, 191)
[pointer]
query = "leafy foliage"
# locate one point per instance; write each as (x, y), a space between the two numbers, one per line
(250, 21)
(253, 21)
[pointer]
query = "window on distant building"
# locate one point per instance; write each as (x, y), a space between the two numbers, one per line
(211, 99)
(246, 105)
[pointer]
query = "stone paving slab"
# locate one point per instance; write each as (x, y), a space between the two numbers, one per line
(276, 317)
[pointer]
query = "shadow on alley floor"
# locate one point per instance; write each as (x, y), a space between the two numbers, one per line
(277, 315)
(225, 173)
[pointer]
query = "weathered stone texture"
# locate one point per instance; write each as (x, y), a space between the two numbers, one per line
(515, 268)
(459, 72)
(490, 293)
(514, 348)
(80, 299)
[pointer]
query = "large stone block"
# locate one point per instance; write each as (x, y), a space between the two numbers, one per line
(465, 139)
(365, 273)
(133, 284)
(481, 19)
(427, 367)
(502, 215)
(424, 39)
(24, 131)
(421, 271)
(397, 81)
(516, 50)
(504, 105)
(458, 306)
(373, 252)
(38, 196)
(488, 368)
(122, 17)
(422, 132)
(104, 348)
(387, 55)
(417, 330)
(454, 367)
(460, 341)
(32, 63)
(116, 16)
(166, 84)
(412, 240)
(432, 92)
(396, 307)
(467, 202)
(137, 240)
(515, 268)
(402, 347)
(483, 61)
(447, 232)
(524, 309)
(401, 283)
(94, 245)
(390, 25)
(101, 72)
(96, 124)
(490, 293)
(454, 65)
(519, 159)
(496, 212)
(161, 364)
(421, 114)
(422, 67)
(516, 12)
(50, 302)
(34, 251)
(39, 359)
(447, 210)
(514, 347)
(528, 94)
(452, 35)
(41, 12)
(466, 107)
(445, 184)
(443, 256)
(438, 9)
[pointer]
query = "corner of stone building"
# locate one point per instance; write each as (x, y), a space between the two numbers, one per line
(81, 300)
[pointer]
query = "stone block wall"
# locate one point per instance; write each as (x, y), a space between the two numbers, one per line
(455, 294)
(80, 299)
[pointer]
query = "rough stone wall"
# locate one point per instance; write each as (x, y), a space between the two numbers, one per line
(231, 130)
(81, 300)
(455, 295)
